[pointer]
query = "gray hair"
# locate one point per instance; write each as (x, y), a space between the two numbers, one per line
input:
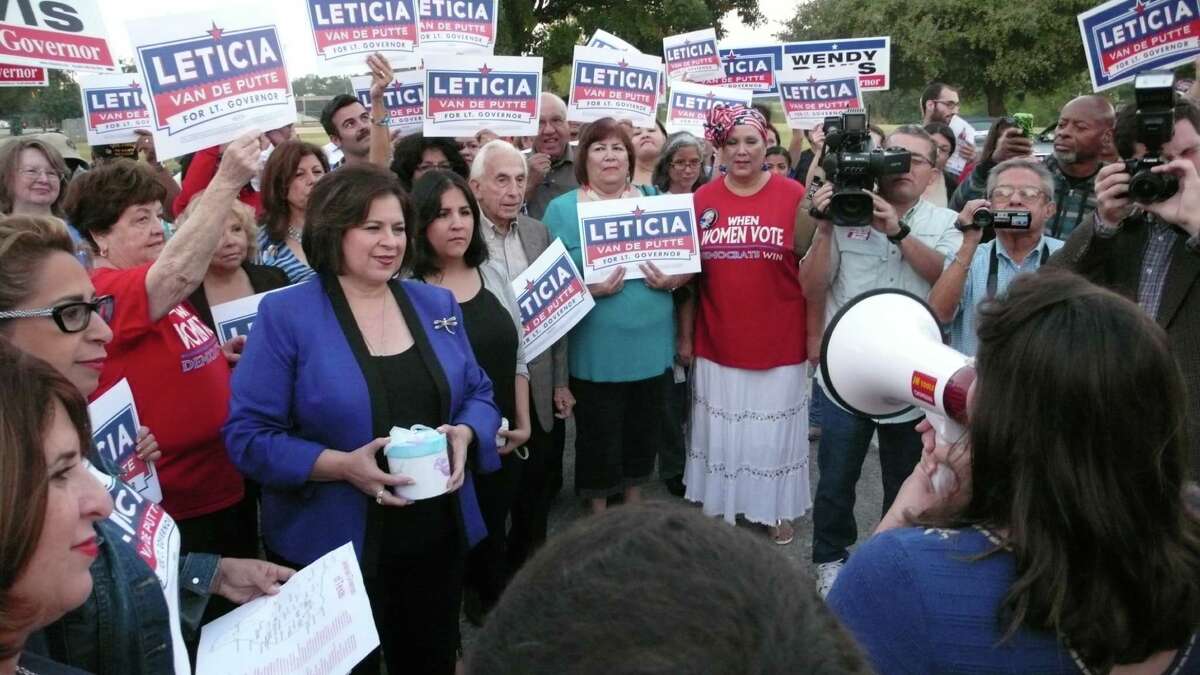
(549, 95)
(1044, 176)
(485, 153)
(916, 131)
(675, 142)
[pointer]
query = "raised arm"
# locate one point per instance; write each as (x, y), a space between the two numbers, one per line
(181, 266)
(381, 137)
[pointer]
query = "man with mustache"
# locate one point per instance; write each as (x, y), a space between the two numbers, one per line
(348, 124)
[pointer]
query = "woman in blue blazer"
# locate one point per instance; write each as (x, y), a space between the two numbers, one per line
(332, 364)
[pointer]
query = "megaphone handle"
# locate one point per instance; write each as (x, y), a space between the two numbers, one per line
(948, 432)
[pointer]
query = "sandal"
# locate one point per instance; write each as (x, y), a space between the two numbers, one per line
(782, 533)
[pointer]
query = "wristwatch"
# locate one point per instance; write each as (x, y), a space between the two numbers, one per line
(899, 236)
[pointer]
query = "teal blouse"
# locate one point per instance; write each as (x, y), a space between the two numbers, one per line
(628, 336)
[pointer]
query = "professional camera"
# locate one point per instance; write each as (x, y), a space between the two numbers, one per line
(854, 168)
(1002, 219)
(1154, 93)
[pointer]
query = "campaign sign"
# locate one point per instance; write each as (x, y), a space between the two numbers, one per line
(1125, 37)
(66, 34)
(459, 26)
(609, 83)
(606, 40)
(464, 94)
(809, 98)
(346, 31)
(872, 57)
(551, 297)
(210, 78)
(235, 317)
(627, 232)
(404, 99)
(22, 76)
(113, 108)
(752, 69)
(692, 56)
(689, 103)
(114, 435)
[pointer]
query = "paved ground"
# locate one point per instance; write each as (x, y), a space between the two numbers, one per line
(568, 509)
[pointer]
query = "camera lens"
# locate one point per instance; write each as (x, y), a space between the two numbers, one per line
(851, 209)
(1148, 188)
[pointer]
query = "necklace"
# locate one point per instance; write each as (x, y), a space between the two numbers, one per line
(294, 234)
(372, 349)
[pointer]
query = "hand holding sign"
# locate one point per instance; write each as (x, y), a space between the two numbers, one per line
(239, 162)
(381, 75)
(147, 446)
(610, 286)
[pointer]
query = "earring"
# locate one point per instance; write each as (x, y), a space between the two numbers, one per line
(724, 169)
(766, 167)
(103, 252)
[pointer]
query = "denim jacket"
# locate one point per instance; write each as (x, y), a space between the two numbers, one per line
(124, 627)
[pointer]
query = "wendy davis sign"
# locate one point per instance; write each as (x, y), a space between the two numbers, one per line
(551, 297)
(113, 108)
(211, 77)
(464, 94)
(1125, 37)
(610, 83)
(22, 76)
(809, 98)
(871, 58)
(692, 56)
(628, 232)
(689, 103)
(404, 100)
(346, 31)
(66, 34)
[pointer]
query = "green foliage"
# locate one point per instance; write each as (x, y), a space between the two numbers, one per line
(551, 28)
(58, 101)
(316, 85)
(988, 49)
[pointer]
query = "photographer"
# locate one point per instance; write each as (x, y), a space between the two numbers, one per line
(1023, 188)
(904, 245)
(1085, 128)
(1150, 252)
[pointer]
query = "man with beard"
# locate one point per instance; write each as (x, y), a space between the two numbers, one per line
(1084, 132)
(940, 103)
(348, 124)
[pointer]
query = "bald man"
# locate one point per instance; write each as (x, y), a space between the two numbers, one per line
(1083, 136)
(551, 166)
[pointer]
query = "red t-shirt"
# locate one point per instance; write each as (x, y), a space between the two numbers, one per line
(180, 384)
(751, 313)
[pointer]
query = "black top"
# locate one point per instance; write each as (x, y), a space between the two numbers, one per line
(493, 338)
(411, 397)
(263, 278)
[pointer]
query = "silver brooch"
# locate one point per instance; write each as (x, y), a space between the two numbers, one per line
(447, 324)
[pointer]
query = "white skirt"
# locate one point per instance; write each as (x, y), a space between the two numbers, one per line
(748, 447)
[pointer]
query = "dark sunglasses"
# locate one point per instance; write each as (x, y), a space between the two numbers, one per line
(71, 317)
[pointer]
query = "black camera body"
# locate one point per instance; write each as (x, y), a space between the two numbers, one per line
(854, 168)
(1002, 219)
(1154, 93)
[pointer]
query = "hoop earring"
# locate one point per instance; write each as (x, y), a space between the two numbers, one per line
(766, 167)
(724, 170)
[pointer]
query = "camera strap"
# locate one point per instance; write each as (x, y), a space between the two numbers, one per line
(994, 266)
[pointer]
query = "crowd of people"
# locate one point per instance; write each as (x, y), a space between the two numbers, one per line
(1070, 540)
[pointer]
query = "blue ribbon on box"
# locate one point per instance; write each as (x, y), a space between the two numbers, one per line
(419, 441)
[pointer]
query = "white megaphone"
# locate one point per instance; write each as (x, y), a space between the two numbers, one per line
(883, 354)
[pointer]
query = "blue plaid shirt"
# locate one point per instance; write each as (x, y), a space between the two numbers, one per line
(975, 288)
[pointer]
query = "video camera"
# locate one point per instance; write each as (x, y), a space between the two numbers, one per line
(1002, 219)
(854, 168)
(1154, 93)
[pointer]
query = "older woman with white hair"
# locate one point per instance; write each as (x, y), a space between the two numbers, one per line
(231, 276)
(680, 168)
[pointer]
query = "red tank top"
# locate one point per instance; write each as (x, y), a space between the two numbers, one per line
(751, 310)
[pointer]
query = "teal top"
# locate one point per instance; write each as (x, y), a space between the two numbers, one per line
(626, 337)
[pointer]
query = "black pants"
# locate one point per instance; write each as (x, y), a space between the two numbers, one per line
(554, 460)
(415, 601)
(531, 508)
(487, 569)
(619, 429)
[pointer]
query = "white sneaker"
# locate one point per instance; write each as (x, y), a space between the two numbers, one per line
(827, 573)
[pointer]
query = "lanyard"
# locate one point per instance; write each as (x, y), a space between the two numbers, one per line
(994, 266)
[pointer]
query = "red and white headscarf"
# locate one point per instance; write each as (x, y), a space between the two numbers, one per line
(722, 119)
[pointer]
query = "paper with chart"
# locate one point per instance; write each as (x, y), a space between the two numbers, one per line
(320, 622)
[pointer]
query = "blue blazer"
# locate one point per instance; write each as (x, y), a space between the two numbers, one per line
(304, 385)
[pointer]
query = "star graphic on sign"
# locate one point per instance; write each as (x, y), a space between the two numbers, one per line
(485, 70)
(812, 78)
(623, 63)
(833, 46)
(638, 211)
(135, 85)
(529, 286)
(731, 57)
(711, 94)
(1139, 7)
(216, 32)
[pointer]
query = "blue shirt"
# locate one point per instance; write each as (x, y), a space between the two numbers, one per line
(277, 254)
(975, 288)
(917, 602)
(626, 337)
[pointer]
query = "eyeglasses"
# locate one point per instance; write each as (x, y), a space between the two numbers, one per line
(440, 166)
(1006, 192)
(685, 164)
(915, 158)
(953, 105)
(71, 317)
(30, 173)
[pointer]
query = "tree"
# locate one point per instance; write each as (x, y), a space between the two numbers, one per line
(552, 28)
(58, 101)
(316, 85)
(990, 49)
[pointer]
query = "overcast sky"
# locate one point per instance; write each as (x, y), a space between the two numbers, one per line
(297, 42)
